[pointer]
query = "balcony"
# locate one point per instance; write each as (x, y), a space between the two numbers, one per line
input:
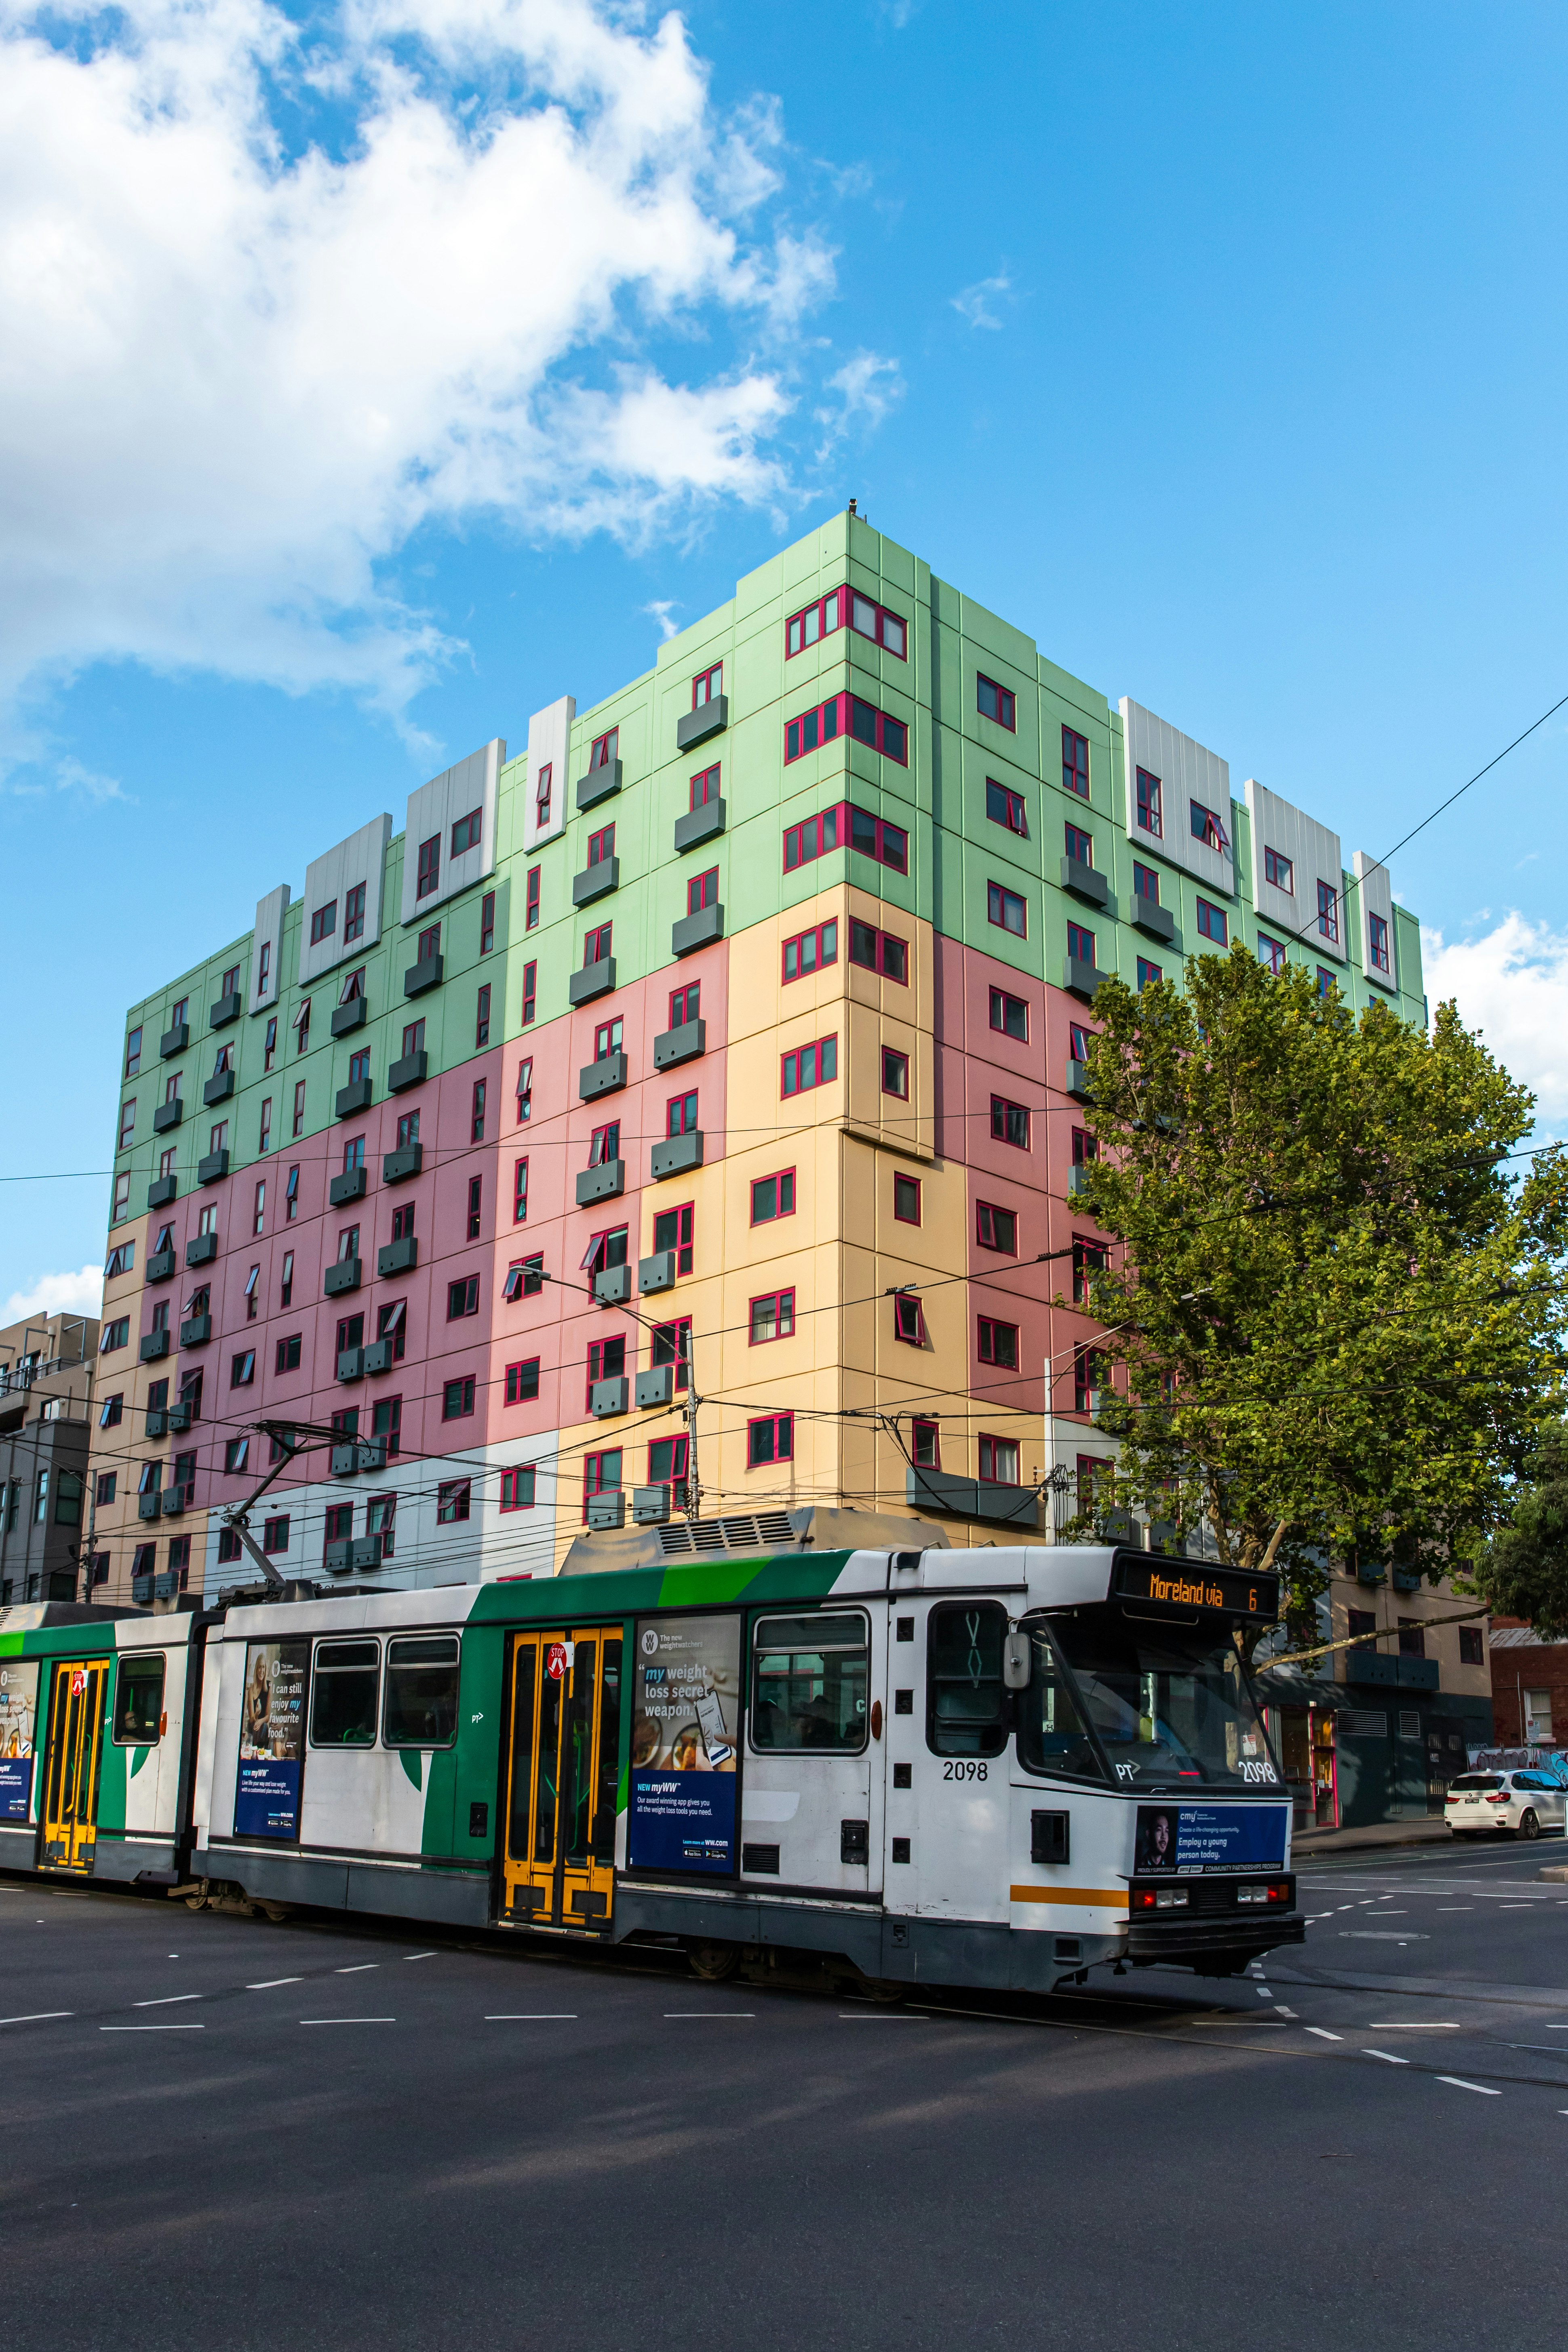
(709, 717)
(154, 1347)
(227, 1008)
(1080, 878)
(161, 1192)
(593, 979)
(657, 1272)
(673, 1046)
(423, 975)
(213, 1168)
(596, 882)
(1395, 1673)
(356, 1453)
(409, 1070)
(157, 1421)
(201, 1251)
(1081, 978)
(1150, 917)
(168, 1115)
(675, 1156)
(350, 1186)
(698, 931)
(657, 1385)
(378, 1356)
(345, 1275)
(398, 1166)
(608, 1397)
(346, 1459)
(971, 1498)
(651, 1507)
(1407, 1580)
(142, 1590)
(350, 1367)
(1077, 1081)
(148, 1506)
(397, 1257)
(165, 1584)
(173, 1502)
(195, 1331)
(161, 1265)
(602, 1184)
(697, 825)
(218, 1089)
(174, 1040)
(350, 1016)
(609, 1510)
(598, 785)
(352, 1554)
(335, 1559)
(607, 1076)
(355, 1096)
(613, 1287)
(179, 1419)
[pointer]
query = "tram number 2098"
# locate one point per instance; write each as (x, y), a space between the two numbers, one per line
(963, 1771)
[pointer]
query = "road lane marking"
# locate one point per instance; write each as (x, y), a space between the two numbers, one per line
(1460, 2084)
(710, 2012)
(1413, 2025)
(358, 1968)
(37, 2016)
(1456, 1906)
(1387, 2057)
(421, 1956)
(347, 2021)
(152, 2028)
(1283, 2011)
(167, 2001)
(530, 2016)
(267, 1983)
(878, 2016)
(1323, 2035)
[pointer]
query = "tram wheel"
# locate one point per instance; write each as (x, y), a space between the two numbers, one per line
(195, 1902)
(713, 1962)
(276, 1911)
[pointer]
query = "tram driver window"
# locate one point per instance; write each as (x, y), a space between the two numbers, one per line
(808, 1685)
(421, 1692)
(138, 1700)
(968, 1710)
(343, 1696)
(1052, 1734)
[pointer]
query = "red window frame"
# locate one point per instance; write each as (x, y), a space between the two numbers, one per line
(519, 1388)
(1088, 1376)
(810, 951)
(594, 1481)
(681, 1221)
(1080, 943)
(487, 923)
(680, 1455)
(1208, 917)
(1004, 1113)
(704, 788)
(607, 1361)
(604, 749)
(602, 845)
(542, 793)
(869, 619)
(511, 1499)
(1006, 808)
(808, 1066)
(702, 890)
(896, 1068)
(1088, 1257)
(1075, 762)
(683, 1004)
(525, 1090)
(605, 1144)
(1079, 845)
(530, 918)
(783, 1304)
(990, 1329)
(1145, 883)
(454, 1501)
(1274, 863)
(1272, 951)
(429, 944)
(814, 621)
(529, 980)
(1003, 710)
(597, 944)
(851, 718)
(467, 833)
(483, 1017)
(1002, 1002)
(706, 685)
(607, 1039)
(785, 1177)
(1148, 973)
(779, 1444)
(1207, 827)
(890, 953)
(908, 1321)
(989, 1233)
(1085, 1147)
(1150, 809)
(998, 1453)
(681, 1115)
(670, 1343)
(925, 1444)
(903, 1186)
(463, 1390)
(462, 1297)
(1377, 942)
(1328, 912)
(353, 914)
(428, 873)
(999, 904)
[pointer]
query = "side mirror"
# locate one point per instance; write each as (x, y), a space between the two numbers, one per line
(1016, 1662)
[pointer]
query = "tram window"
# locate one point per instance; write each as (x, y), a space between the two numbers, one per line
(1052, 1734)
(968, 1709)
(421, 1692)
(138, 1700)
(343, 1701)
(808, 1683)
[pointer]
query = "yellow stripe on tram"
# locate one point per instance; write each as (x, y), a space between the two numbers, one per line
(1107, 1898)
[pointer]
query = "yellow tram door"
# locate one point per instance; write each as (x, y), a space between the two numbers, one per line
(563, 1774)
(71, 1766)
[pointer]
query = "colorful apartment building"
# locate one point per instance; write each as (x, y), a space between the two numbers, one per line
(726, 1039)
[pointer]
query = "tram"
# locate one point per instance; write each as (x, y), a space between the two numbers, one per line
(973, 1767)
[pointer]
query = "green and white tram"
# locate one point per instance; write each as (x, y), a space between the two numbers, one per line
(996, 1768)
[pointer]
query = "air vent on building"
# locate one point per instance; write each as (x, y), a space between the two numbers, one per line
(741, 1533)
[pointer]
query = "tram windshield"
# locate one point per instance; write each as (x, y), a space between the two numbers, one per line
(1172, 1711)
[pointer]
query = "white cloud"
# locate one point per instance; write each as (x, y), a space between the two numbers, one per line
(868, 388)
(660, 612)
(57, 1294)
(977, 303)
(241, 364)
(1511, 984)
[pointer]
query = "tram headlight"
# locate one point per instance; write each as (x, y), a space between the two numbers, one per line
(1171, 1899)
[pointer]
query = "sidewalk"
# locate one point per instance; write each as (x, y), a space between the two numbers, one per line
(1415, 1831)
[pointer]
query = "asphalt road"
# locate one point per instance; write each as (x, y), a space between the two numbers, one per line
(224, 2132)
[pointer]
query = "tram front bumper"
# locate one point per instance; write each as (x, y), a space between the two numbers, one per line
(1198, 1919)
(1180, 1942)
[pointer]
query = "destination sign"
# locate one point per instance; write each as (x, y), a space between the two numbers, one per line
(1192, 1584)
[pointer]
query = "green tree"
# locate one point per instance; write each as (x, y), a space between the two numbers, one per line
(1525, 1570)
(1335, 1305)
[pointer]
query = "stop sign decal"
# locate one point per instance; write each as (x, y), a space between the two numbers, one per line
(555, 1660)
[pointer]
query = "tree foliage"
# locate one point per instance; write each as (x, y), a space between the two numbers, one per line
(1335, 1306)
(1525, 1572)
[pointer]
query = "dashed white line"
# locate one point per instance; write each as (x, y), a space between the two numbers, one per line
(267, 1983)
(1323, 2035)
(347, 2021)
(421, 1956)
(881, 2016)
(358, 1968)
(1460, 2084)
(152, 2028)
(1387, 2057)
(531, 2017)
(1413, 2025)
(710, 2012)
(167, 2001)
(37, 2016)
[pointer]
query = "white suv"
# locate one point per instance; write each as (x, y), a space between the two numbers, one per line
(1525, 1803)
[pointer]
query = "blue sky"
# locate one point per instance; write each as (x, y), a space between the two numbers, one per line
(400, 368)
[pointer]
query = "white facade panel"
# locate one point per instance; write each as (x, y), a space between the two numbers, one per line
(267, 954)
(329, 880)
(1374, 896)
(1314, 854)
(1187, 773)
(434, 811)
(548, 745)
